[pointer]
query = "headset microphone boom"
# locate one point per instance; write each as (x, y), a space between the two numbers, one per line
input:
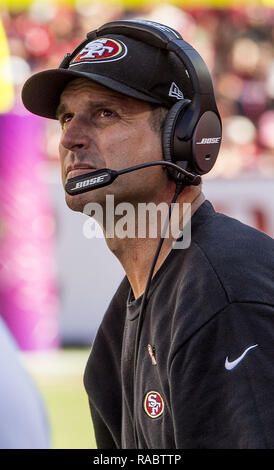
(104, 177)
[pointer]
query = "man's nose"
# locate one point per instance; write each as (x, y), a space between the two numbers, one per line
(75, 135)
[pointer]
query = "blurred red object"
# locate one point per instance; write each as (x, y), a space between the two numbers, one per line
(38, 40)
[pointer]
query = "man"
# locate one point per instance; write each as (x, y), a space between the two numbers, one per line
(196, 372)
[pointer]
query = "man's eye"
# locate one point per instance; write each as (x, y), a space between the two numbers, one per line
(106, 113)
(66, 118)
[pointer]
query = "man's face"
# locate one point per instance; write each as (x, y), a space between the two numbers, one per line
(105, 129)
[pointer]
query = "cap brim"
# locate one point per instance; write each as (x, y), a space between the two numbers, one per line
(41, 92)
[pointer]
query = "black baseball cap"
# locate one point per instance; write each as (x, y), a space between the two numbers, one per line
(121, 63)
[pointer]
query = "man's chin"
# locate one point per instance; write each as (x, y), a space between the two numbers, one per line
(76, 203)
(79, 202)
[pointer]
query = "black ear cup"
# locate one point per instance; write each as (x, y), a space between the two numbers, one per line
(206, 142)
(190, 139)
(168, 133)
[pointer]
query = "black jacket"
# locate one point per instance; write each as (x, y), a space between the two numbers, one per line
(208, 306)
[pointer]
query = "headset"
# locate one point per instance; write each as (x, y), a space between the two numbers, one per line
(192, 131)
(191, 135)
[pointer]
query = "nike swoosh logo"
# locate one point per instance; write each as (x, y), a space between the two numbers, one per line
(230, 365)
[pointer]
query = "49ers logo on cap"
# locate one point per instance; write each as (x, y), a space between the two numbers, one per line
(153, 404)
(101, 50)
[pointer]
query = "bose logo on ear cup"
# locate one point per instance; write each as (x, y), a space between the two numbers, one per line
(209, 140)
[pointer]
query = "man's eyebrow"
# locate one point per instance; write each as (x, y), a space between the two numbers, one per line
(62, 108)
(120, 102)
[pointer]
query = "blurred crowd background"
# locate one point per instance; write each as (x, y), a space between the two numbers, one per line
(50, 294)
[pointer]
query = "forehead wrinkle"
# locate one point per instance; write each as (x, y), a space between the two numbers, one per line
(91, 104)
(110, 98)
(83, 84)
(113, 96)
(106, 98)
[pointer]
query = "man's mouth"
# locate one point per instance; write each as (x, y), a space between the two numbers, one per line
(78, 170)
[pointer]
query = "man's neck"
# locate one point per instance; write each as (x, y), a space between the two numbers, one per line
(136, 254)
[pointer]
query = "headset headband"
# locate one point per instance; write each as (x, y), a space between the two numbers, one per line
(163, 37)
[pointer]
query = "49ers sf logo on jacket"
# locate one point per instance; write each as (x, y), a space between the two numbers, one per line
(153, 404)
